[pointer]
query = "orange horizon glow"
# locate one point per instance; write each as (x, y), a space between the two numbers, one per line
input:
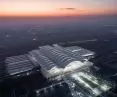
(59, 13)
(53, 8)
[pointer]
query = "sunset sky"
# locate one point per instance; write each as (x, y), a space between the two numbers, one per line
(56, 7)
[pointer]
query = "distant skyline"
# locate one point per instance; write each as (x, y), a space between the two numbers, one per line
(56, 7)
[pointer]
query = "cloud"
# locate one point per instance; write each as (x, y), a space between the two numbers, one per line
(69, 9)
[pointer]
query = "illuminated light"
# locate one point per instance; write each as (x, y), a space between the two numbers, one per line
(96, 91)
(32, 58)
(34, 39)
(54, 72)
(89, 77)
(28, 74)
(90, 54)
(73, 66)
(76, 50)
(76, 77)
(7, 36)
(104, 87)
(94, 80)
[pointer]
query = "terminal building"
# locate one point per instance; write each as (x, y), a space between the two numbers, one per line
(68, 69)
(53, 60)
